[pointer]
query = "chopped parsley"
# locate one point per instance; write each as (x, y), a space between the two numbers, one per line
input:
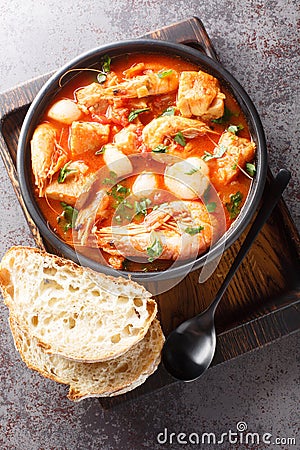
(160, 148)
(68, 216)
(112, 179)
(100, 151)
(211, 207)
(251, 169)
(121, 204)
(218, 153)
(226, 116)
(119, 193)
(235, 128)
(140, 207)
(192, 171)
(106, 61)
(165, 73)
(155, 249)
(133, 114)
(179, 138)
(170, 111)
(193, 230)
(64, 172)
(234, 206)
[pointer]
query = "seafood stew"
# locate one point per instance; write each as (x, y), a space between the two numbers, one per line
(142, 162)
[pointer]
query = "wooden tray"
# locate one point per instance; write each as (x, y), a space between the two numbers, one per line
(262, 302)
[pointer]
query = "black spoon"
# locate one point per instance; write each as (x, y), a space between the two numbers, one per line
(189, 349)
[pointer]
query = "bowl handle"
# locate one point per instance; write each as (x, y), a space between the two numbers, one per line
(190, 32)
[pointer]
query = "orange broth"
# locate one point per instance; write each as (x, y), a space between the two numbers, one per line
(51, 209)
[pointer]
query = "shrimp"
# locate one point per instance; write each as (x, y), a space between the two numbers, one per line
(199, 95)
(150, 83)
(47, 157)
(156, 131)
(93, 211)
(179, 230)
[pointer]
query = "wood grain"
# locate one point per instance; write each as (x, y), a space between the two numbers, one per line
(262, 301)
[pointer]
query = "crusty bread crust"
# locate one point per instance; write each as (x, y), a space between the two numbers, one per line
(32, 311)
(102, 379)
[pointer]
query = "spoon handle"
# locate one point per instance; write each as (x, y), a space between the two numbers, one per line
(270, 199)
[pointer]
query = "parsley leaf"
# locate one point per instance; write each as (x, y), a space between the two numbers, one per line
(170, 111)
(192, 171)
(226, 116)
(234, 206)
(211, 207)
(218, 153)
(160, 148)
(193, 230)
(112, 178)
(155, 250)
(141, 206)
(179, 138)
(133, 114)
(251, 169)
(100, 151)
(165, 73)
(101, 77)
(235, 128)
(69, 215)
(106, 63)
(64, 172)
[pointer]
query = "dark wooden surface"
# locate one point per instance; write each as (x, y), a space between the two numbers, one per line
(262, 301)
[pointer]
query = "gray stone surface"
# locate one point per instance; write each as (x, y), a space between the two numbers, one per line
(258, 41)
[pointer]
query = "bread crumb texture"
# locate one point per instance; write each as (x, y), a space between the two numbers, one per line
(73, 311)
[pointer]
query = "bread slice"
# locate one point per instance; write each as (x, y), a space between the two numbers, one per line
(103, 379)
(73, 311)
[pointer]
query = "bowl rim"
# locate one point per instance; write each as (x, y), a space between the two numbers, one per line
(152, 46)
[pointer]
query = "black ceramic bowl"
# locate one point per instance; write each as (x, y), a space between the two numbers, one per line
(89, 59)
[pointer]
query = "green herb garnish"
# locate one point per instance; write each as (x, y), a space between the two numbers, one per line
(112, 179)
(218, 153)
(170, 111)
(160, 148)
(64, 172)
(251, 169)
(101, 77)
(192, 171)
(207, 156)
(165, 73)
(235, 128)
(234, 206)
(179, 138)
(106, 63)
(193, 230)
(133, 114)
(100, 151)
(155, 249)
(226, 116)
(211, 207)
(141, 206)
(69, 215)
(234, 166)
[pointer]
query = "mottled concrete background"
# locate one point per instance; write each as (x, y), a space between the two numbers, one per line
(258, 41)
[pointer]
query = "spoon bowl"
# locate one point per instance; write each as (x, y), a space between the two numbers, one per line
(190, 348)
